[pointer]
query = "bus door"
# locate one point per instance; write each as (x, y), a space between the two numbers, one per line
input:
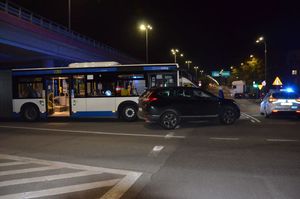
(78, 95)
(58, 96)
(162, 80)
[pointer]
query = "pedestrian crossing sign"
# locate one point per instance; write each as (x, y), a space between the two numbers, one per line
(277, 82)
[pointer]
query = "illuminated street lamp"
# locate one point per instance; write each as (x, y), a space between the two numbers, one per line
(262, 40)
(196, 68)
(146, 28)
(251, 56)
(188, 62)
(175, 52)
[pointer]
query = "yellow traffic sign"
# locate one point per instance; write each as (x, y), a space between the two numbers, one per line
(277, 82)
(260, 86)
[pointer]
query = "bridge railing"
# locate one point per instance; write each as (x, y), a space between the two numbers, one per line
(33, 18)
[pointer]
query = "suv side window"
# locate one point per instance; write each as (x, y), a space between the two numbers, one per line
(200, 94)
(166, 93)
(187, 93)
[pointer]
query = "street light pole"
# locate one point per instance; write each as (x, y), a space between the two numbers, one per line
(259, 40)
(147, 55)
(146, 28)
(196, 68)
(188, 62)
(69, 15)
(175, 52)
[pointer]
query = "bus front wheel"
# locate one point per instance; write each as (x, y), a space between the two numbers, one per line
(30, 113)
(129, 113)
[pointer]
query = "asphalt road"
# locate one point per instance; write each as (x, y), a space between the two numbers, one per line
(255, 158)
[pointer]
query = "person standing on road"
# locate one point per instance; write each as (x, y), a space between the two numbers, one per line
(221, 93)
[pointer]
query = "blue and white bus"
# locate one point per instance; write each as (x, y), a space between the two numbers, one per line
(96, 89)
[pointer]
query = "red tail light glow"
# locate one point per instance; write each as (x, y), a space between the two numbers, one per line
(271, 99)
(150, 98)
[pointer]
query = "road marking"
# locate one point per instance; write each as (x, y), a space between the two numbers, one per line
(169, 135)
(62, 190)
(47, 178)
(281, 140)
(13, 172)
(92, 132)
(251, 117)
(5, 164)
(156, 150)
(119, 186)
(218, 138)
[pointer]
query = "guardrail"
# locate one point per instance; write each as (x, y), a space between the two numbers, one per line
(27, 15)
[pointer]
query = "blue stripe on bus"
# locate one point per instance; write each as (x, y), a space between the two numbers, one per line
(93, 114)
(18, 115)
(62, 71)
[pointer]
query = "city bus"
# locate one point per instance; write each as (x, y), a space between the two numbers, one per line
(83, 90)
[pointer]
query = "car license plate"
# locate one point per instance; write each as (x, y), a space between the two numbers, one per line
(294, 107)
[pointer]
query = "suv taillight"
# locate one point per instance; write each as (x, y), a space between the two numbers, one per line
(150, 98)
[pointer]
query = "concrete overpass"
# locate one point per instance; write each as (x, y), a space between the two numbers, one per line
(27, 39)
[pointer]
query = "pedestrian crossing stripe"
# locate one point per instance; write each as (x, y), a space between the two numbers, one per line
(119, 185)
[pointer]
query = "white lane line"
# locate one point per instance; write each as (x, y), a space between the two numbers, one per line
(4, 164)
(281, 140)
(251, 117)
(91, 132)
(169, 135)
(19, 171)
(253, 121)
(156, 150)
(122, 187)
(228, 138)
(47, 178)
(62, 190)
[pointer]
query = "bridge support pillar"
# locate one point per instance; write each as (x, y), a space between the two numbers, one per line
(5, 94)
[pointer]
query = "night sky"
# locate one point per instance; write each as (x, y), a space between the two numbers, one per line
(213, 34)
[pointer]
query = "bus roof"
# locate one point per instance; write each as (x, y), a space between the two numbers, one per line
(94, 67)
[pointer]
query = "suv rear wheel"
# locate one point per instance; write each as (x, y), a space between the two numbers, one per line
(228, 115)
(169, 120)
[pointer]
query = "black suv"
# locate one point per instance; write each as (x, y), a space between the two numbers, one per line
(171, 104)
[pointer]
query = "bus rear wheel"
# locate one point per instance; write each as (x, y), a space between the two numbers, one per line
(30, 113)
(129, 113)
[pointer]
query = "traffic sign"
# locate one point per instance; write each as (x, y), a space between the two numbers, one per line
(277, 82)
(260, 86)
(223, 73)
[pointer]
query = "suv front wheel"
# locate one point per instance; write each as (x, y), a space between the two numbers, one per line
(169, 120)
(228, 115)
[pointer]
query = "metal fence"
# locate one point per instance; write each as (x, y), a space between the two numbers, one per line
(27, 15)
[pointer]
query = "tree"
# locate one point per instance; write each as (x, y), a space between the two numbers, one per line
(251, 70)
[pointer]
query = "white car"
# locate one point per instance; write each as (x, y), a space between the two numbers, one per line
(280, 102)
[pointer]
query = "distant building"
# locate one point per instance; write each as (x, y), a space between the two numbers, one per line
(293, 63)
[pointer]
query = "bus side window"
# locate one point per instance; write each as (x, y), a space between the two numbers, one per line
(29, 88)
